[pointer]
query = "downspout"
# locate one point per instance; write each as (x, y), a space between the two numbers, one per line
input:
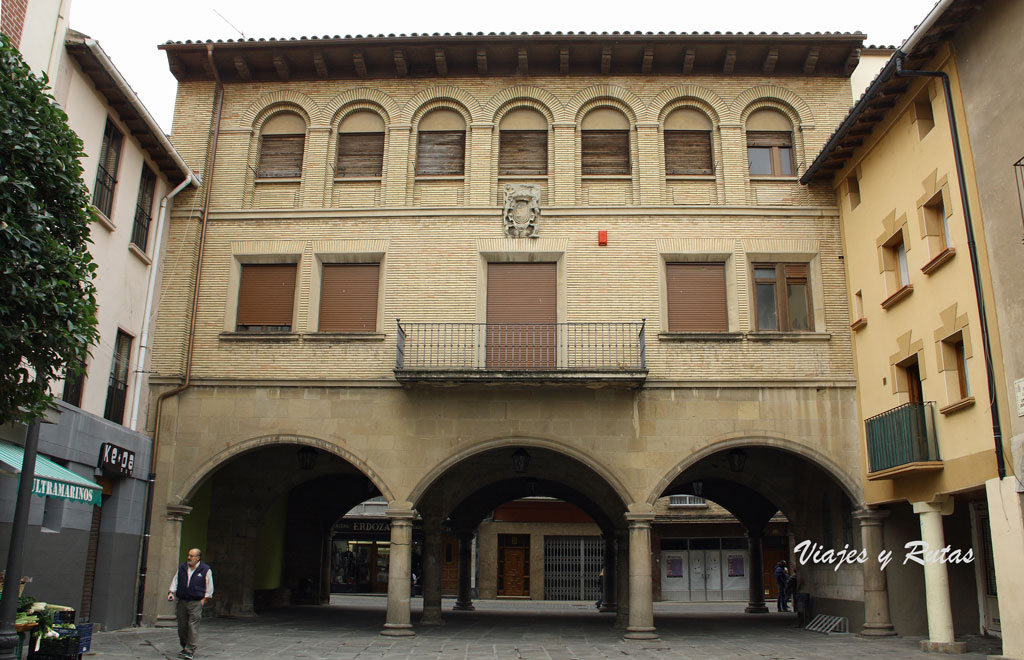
(150, 295)
(971, 246)
(208, 182)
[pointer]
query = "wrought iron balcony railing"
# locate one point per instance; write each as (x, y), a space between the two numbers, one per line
(103, 191)
(901, 436)
(521, 352)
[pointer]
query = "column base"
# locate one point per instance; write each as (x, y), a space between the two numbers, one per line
(398, 630)
(756, 609)
(463, 607)
(608, 608)
(929, 646)
(878, 630)
(638, 633)
(431, 618)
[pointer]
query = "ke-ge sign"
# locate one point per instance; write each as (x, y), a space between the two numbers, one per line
(116, 459)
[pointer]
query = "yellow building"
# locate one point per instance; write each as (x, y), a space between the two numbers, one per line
(455, 271)
(921, 166)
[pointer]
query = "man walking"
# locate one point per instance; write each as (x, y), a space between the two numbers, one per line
(192, 586)
(782, 580)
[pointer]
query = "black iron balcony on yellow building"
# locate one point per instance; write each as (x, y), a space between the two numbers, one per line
(587, 354)
(902, 441)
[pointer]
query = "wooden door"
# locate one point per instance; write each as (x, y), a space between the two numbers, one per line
(914, 383)
(521, 315)
(514, 573)
(449, 565)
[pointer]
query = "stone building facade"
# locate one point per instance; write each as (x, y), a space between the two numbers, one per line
(675, 313)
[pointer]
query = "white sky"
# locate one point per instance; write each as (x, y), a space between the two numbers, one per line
(130, 30)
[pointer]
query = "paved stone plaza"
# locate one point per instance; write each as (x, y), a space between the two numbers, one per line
(513, 630)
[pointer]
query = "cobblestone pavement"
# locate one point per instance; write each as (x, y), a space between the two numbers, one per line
(514, 630)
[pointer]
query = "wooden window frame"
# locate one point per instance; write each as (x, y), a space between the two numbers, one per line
(368, 315)
(291, 167)
(243, 312)
(367, 164)
(678, 301)
(117, 388)
(144, 208)
(588, 153)
(774, 142)
(782, 275)
(537, 162)
(684, 162)
(106, 168)
(426, 149)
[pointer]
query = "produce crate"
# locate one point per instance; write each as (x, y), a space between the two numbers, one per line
(84, 637)
(61, 616)
(50, 656)
(64, 645)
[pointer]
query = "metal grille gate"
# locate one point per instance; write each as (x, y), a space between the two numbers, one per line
(572, 565)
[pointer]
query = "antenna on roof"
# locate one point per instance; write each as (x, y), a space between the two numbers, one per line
(229, 23)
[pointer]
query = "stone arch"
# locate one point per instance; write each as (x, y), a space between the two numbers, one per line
(189, 486)
(445, 96)
(682, 96)
(521, 96)
(465, 453)
(271, 104)
(773, 96)
(611, 95)
(362, 98)
(847, 482)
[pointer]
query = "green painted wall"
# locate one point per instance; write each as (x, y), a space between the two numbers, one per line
(193, 528)
(270, 547)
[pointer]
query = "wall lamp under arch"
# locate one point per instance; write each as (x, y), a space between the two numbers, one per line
(520, 460)
(737, 459)
(307, 457)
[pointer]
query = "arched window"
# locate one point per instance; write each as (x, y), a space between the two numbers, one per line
(770, 144)
(441, 143)
(605, 142)
(282, 140)
(688, 142)
(360, 146)
(523, 143)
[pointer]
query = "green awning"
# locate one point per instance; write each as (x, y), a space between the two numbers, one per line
(51, 480)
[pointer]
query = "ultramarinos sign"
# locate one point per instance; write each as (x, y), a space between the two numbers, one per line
(48, 488)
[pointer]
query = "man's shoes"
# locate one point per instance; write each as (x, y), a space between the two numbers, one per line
(186, 654)
(182, 653)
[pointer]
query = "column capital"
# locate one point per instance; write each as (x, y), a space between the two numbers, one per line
(942, 504)
(871, 516)
(400, 127)
(177, 512)
(399, 512)
(564, 124)
(639, 519)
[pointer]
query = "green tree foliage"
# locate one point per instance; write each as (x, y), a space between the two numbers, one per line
(47, 297)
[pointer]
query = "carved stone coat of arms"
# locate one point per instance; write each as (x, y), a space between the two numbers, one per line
(522, 210)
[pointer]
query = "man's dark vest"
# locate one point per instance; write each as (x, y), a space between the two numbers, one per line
(194, 589)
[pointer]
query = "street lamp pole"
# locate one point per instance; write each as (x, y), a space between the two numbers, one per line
(12, 582)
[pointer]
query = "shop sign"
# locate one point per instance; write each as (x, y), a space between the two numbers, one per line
(116, 459)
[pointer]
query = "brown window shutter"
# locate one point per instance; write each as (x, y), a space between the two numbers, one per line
(441, 152)
(796, 271)
(688, 152)
(522, 309)
(605, 152)
(523, 152)
(266, 295)
(348, 297)
(696, 297)
(359, 154)
(281, 155)
(769, 139)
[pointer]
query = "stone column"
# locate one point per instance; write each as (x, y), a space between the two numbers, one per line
(176, 514)
(649, 171)
(562, 184)
(936, 580)
(465, 602)
(641, 605)
(396, 166)
(399, 574)
(608, 584)
(478, 168)
(756, 605)
(621, 579)
(432, 528)
(877, 622)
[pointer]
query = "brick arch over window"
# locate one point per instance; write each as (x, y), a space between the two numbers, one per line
(261, 109)
(514, 98)
(849, 482)
(684, 96)
(201, 473)
(611, 96)
(362, 98)
(446, 96)
(772, 96)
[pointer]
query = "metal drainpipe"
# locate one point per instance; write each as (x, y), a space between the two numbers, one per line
(972, 248)
(151, 482)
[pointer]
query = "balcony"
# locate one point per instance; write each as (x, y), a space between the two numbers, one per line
(586, 354)
(902, 441)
